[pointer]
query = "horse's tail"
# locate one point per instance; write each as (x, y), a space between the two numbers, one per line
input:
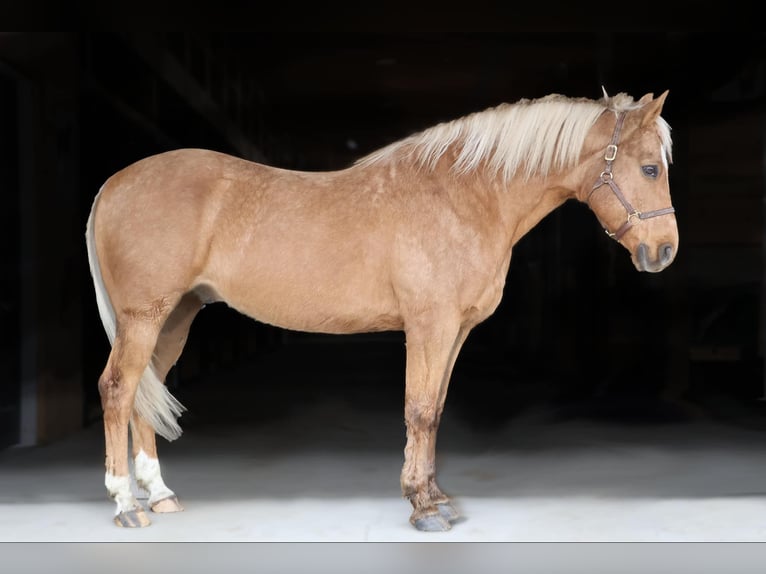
(153, 401)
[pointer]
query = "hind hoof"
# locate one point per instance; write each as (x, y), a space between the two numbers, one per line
(165, 505)
(431, 523)
(136, 518)
(448, 511)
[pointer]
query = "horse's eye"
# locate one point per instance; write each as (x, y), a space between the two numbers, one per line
(650, 170)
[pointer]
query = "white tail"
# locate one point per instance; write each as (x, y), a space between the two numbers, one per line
(153, 401)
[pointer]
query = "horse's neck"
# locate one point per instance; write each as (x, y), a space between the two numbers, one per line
(549, 198)
(523, 204)
(520, 203)
(507, 210)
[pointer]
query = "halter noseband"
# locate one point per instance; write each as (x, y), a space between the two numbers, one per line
(607, 178)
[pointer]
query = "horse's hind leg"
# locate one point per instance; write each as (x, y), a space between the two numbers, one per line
(432, 347)
(170, 344)
(147, 468)
(131, 352)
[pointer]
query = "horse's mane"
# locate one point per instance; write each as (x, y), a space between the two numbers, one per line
(542, 135)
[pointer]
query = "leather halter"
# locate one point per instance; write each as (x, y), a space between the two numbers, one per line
(607, 178)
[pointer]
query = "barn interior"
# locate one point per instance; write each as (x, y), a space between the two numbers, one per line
(579, 336)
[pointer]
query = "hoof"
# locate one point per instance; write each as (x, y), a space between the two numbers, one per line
(136, 518)
(448, 511)
(431, 523)
(169, 504)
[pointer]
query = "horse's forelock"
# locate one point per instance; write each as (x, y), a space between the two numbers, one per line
(625, 103)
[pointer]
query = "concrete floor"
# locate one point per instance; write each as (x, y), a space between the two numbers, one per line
(331, 476)
(328, 470)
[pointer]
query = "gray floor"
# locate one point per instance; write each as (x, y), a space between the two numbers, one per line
(330, 472)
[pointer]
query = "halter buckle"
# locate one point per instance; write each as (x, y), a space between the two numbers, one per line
(611, 152)
(609, 233)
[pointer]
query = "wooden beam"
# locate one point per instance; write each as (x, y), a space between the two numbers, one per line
(129, 112)
(168, 67)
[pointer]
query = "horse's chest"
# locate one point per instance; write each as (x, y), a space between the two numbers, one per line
(483, 291)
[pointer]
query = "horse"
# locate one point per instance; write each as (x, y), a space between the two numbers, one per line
(415, 237)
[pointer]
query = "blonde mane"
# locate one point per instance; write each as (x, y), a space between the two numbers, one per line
(542, 135)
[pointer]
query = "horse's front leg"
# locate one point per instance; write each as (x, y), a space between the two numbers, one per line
(432, 347)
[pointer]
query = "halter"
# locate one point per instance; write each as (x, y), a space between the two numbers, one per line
(607, 178)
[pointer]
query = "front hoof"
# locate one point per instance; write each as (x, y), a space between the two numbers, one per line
(136, 518)
(169, 504)
(433, 522)
(448, 511)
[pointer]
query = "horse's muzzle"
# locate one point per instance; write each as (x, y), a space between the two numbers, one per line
(665, 255)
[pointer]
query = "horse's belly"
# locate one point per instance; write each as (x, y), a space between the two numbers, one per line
(305, 305)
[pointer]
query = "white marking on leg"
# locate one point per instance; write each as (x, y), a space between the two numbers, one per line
(148, 477)
(118, 488)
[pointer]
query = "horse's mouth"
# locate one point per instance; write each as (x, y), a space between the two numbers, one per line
(665, 255)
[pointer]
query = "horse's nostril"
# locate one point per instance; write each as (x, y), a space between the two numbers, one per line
(666, 253)
(642, 255)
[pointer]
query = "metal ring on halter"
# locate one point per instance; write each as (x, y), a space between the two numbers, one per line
(603, 175)
(636, 214)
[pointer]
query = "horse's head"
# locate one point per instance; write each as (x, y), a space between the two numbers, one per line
(627, 186)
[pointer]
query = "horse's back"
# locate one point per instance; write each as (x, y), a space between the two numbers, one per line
(166, 178)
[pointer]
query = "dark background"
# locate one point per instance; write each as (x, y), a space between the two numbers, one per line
(579, 332)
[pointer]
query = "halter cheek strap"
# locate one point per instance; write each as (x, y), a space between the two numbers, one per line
(606, 178)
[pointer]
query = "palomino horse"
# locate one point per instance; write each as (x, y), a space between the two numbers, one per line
(415, 237)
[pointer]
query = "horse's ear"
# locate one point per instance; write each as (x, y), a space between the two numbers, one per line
(652, 108)
(646, 99)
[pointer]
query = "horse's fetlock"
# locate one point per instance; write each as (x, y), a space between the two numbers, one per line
(422, 417)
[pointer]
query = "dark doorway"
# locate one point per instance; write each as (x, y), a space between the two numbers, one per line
(10, 398)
